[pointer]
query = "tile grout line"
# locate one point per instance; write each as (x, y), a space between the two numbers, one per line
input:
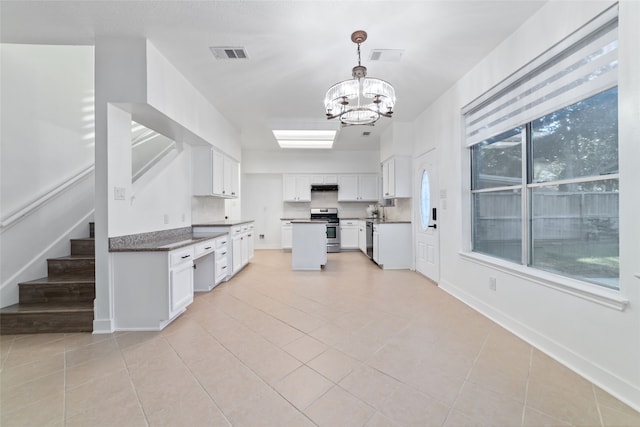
(526, 388)
(595, 396)
(475, 360)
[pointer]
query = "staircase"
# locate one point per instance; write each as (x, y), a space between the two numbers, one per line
(60, 302)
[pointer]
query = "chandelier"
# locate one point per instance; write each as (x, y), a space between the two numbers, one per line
(361, 100)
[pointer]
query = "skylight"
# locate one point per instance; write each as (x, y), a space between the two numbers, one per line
(317, 139)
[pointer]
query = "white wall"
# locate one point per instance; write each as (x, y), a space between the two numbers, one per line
(47, 136)
(311, 161)
(600, 342)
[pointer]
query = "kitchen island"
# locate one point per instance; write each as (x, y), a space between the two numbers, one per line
(308, 245)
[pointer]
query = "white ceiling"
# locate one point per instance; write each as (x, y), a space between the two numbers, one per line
(296, 48)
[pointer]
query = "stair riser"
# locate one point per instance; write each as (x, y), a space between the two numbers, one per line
(83, 247)
(35, 323)
(76, 292)
(78, 268)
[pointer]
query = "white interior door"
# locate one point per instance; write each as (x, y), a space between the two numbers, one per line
(427, 250)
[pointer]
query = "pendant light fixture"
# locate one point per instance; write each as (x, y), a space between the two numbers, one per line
(360, 100)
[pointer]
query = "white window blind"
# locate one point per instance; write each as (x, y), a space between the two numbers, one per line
(583, 64)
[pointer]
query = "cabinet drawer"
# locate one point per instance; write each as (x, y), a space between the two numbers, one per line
(221, 267)
(204, 248)
(221, 253)
(349, 222)
(181, 255)
(221, 242)
(236, 231)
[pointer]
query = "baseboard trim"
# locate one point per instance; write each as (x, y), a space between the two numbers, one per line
(103, 326)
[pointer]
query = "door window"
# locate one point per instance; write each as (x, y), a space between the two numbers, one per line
(425, 200)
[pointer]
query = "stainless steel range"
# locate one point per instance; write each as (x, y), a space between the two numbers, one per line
(333, 226)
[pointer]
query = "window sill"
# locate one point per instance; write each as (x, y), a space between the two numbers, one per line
(593, 293)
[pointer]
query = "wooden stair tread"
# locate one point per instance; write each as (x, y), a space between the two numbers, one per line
(48, 307)
(64, 280)
(73, 257)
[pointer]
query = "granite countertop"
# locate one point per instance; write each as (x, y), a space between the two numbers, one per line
(158, 241)
(223, 222)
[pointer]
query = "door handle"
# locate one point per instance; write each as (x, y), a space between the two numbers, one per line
(434, 226)
(434, 215)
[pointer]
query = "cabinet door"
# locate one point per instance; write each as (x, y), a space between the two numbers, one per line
(237, 253)
(218, 173)
(349, 237)
(348, 188)
(251, 245)
(303, 188)
(181, 287)
(388, 179)
(289, 188)
(286, 234)
(201, 160)
(368, 188)
(231, 178)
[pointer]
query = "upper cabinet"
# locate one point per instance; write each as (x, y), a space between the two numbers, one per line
(324, 179)
(396, 178)
(296, 188)
(214, 173)
(358, 188)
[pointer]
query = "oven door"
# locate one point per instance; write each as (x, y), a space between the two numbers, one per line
(333, 237)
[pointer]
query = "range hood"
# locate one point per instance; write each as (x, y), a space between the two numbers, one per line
(324, 187)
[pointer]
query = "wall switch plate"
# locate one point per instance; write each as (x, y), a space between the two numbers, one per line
(492, 283)
(119, 193)
(166, 218)
(261, 236)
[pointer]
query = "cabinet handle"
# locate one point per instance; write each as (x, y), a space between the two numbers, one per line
(207, 248)
(185, 256)
(224, 253)
(223, 267)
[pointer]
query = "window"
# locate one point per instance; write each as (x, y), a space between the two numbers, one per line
(543, 151)
(425, 200)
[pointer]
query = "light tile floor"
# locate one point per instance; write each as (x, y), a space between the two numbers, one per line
(351, 345)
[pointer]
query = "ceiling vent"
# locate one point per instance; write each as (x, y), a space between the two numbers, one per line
(387, 55)
(229, 52)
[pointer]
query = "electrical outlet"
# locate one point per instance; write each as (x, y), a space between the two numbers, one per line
(166, 218)
(492, 283)
(261, 236)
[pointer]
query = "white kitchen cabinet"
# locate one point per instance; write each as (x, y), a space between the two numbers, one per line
(286, 234)
(151, 288)
(222, 260)
(309, 249)
(396, 178)
(204, 274)
(296, 188)
(362, 236)
(392, 245)
(349, 234)
(180, 288)
(324, 179)
(358, 188)
(240, 235)
(214, 173)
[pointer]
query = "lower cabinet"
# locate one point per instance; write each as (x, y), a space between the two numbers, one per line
(180, 288)
(286, 234)
(240, 243)
(392, 245)
(349, 234)
(151, 288)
